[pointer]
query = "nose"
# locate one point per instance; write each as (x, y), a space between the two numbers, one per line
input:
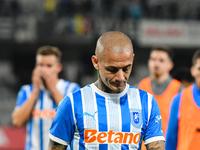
(120, 75)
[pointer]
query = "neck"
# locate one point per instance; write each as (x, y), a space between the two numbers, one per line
(198, 85)
(100, 85)
(160, 78)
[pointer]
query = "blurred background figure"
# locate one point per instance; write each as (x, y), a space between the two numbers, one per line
(160, 83)
(184, 118)
(36, 102)
(183, 75)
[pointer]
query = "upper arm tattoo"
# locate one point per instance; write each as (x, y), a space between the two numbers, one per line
(157, 145)
(56, 146)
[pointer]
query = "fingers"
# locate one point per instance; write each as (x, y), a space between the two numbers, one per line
(36, 76)
(37, 71)
(45, 73)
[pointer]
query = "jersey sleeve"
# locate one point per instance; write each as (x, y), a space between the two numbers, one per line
(62, 128)
(172, 129)
(71, 87)
(21, 97)
(154, 128)
(77, 87)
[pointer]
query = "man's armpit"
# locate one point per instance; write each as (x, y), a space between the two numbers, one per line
(157, 145)
(56, 146)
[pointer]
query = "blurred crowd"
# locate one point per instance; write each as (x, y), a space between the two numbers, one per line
(154, 9)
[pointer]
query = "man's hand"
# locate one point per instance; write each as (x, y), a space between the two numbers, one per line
(49, 78)
(36, 77)
(158, 145)
(56, 146)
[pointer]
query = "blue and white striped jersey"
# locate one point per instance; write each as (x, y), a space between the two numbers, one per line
(37, 127)
(92, 119)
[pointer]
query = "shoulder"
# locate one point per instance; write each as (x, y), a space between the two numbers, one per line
(141, 92)
(178, 83)
(144, 83)
(79, 91)
(67, 82)
(176, 101)
(145, 97)
(145, 80)
(26, 87)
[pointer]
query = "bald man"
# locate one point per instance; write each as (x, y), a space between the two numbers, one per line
(108, 114)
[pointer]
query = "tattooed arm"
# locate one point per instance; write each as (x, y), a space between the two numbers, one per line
(157, 145)
(56, 146)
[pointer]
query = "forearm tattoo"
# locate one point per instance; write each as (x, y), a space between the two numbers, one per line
(158, 145)
(56, 146)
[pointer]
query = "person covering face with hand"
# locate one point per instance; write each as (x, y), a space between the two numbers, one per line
(36, 102)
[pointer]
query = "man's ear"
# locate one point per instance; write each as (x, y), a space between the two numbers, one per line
(192, 71)
(95, 62)
(171, 65)
(60, 67)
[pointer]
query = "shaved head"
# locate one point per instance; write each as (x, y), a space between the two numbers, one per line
(115, 42)
(113, 59)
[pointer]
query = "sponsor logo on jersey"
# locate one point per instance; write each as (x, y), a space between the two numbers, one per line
(136, 117)
(43, 113)
(87, 114)
(110, 137)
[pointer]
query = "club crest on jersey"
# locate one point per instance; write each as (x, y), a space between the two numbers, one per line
(136, 117)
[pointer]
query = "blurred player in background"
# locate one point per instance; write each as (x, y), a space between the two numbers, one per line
(160, 83)
(108, 114)
(183, 131)
(36, 102)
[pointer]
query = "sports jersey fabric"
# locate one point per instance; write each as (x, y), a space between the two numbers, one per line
(164, 99)
(37, 127)
(184, 122)
(92, 119)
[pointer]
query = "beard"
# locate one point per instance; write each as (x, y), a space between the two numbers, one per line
(108, 87)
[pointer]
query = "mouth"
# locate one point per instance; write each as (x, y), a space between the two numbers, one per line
(118, 84)
(156, 68)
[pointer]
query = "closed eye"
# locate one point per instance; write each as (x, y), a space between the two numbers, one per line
(126, 69)
(112, 69)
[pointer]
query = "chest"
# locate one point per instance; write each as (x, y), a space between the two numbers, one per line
(109, 115)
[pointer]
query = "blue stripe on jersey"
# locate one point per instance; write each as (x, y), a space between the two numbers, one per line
(31, 87)
(78, 110)
(54, 103)
(102, 117)
(77, 87)
(41, 121)
(196, 94)
(125, 114)
(21, 97)
(125, 117)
